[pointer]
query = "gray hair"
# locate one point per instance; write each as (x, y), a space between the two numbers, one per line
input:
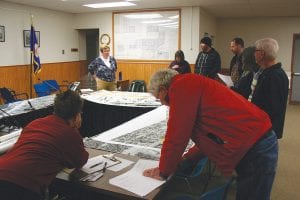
(269, 46)
(161, 78)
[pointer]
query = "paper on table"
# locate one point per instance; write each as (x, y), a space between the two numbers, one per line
(87, 90)
(124, 163)
(97, 163)
(226, 79)
(135, 182)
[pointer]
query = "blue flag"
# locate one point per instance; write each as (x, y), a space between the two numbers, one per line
(34, 47)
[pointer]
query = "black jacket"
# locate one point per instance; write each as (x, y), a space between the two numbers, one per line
(208, 64)
(183, 67)
(237, 59)
(243, 86)
(271, 94)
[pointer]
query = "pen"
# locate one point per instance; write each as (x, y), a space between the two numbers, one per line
(97, 164)
(104, 168)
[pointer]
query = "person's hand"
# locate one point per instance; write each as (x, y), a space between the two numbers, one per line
(153, 173)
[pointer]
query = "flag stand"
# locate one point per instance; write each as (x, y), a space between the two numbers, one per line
(35, 65)
(31, 63)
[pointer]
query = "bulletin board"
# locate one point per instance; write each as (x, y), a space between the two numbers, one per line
(146, 35)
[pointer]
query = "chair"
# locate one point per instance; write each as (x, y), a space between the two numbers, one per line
(10, 96)
(217, 193)
(53, 85)
(137, 86)
(196, 172)
(41, 89)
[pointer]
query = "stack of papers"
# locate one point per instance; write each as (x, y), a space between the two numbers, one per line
(135, 182)
(96, 166)
(226, 79)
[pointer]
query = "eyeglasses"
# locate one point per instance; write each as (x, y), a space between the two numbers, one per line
(259, 50)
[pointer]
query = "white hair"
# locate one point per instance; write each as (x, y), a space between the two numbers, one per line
(161, 78)
(269, 46)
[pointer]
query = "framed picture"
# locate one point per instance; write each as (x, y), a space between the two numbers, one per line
(2, 33)
(26, 37)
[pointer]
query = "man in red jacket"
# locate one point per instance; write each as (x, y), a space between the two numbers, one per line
(44, 148)
(230, 131)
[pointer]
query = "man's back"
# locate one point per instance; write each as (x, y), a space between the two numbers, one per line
(44, 148)
(201, 108)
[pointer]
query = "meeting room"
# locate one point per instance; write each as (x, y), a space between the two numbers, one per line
(139, 99)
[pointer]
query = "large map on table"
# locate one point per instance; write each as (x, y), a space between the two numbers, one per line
(145, 142)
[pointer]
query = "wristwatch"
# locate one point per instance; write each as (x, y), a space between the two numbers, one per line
(105, 39)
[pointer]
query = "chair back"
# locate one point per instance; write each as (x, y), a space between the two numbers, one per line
(41, 89)
(52, 85)
(197, 170)
(137, 86)
(7, 96)
(199, 167)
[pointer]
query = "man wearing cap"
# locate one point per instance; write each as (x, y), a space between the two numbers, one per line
(208, 61)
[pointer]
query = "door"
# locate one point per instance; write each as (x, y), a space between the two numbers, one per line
(92, 44)
(295, 71)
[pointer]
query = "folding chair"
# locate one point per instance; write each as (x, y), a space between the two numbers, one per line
(137, 86)
(198, 169)
(217, 193)
(53, 85)
(41, 89)
(9, 95)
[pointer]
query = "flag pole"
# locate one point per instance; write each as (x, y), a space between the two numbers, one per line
(31, 61)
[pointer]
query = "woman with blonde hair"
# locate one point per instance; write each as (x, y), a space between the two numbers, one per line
(103, 69)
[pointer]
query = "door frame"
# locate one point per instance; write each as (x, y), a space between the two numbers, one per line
(295, 37)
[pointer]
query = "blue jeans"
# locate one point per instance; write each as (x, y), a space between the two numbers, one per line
(256, 171)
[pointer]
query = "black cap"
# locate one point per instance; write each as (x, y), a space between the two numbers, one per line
(207, 41)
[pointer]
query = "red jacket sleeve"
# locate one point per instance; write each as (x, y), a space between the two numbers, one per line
(184, 103)
(75, 156)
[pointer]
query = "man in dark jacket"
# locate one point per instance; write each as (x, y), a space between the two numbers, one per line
(236, 65)
(208, 61)
(269, 88)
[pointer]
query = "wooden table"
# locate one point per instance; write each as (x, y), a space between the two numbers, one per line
(100, 189)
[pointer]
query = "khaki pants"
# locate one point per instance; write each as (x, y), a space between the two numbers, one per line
(104, 85)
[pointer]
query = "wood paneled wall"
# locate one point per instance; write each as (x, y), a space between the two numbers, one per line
(18, 77)
(141, 70)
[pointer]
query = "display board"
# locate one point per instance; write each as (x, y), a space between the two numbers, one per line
(147, 35)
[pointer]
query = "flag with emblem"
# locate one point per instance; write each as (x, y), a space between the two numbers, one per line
(34, 48)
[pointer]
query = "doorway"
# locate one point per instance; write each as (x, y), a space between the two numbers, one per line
(295, 70)
(92, 44)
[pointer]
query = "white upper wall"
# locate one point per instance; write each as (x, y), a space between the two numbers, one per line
(189, 28)
(208, 24)
(56, 34)
(279, 28)
(59, 31)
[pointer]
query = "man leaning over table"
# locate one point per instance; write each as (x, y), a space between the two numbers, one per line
(44, 148)
(225, 127)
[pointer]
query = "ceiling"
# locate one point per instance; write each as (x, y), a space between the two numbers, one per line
(218, 8)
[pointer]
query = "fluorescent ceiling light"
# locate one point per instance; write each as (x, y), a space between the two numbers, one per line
(109, 5)
(174, 17)
(156, 21)
(144, 16)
